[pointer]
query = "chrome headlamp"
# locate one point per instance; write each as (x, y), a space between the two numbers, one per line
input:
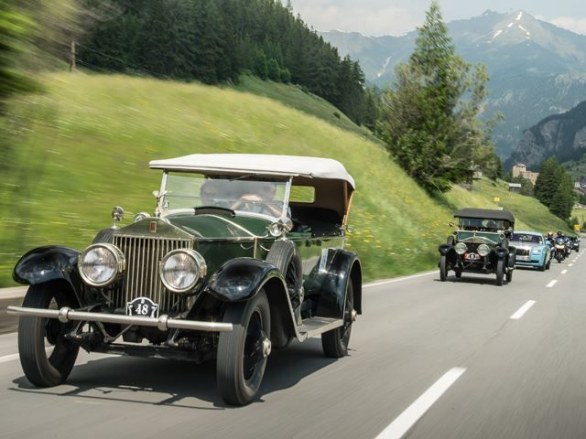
(101, 264)
(182, 269)
(460, 248)
(280, 227)
(483, 250)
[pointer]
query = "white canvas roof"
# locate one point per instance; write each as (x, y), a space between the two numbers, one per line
(260, 164)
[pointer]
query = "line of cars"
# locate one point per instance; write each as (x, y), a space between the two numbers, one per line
(484, 241)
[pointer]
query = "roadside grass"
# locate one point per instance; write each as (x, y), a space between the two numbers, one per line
(84, 147)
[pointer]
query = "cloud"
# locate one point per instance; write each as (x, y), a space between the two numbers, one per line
(372, 21)
(577, 25)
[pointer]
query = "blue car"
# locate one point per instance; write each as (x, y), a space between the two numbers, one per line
(532, 250)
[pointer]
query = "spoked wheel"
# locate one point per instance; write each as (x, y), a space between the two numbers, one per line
(243, 353)
(46, 356)
(500, 272)
(335, 342)
(443, 268)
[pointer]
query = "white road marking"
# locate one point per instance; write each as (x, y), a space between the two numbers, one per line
(521, 311)
(564, 271)
(7, 358)
(570, 265)
(551, 284)
(403, 423)
(399, 279)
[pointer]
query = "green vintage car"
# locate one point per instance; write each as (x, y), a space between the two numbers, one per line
(243, 254)
(480, 245)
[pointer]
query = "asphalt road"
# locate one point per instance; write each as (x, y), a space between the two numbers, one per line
(429, 359)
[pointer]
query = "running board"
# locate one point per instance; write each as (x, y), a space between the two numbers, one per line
(317, 325)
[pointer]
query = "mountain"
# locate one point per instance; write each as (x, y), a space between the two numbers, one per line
(536, 69)
(561, 135)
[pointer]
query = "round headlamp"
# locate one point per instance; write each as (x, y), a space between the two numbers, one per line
(483, 250)
(182, 269)
(460, 248)
(101, 264)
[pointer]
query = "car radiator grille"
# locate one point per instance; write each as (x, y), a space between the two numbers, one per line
(522, 252)
(142, 270)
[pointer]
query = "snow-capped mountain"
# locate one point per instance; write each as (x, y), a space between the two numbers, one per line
(536, 69)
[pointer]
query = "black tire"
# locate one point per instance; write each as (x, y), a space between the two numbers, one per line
(36, 334)
(243, 353)
(283, 254)
(548, 265)
(458, 273)
(443, 268)
(543, 266)
(500, 271)
(335, 342)
(509, 275)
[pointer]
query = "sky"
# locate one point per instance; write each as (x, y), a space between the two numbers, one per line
(397, 17)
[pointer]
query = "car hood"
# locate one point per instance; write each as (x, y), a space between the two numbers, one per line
(202, 226)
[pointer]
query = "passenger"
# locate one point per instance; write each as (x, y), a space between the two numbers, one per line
(210, 193)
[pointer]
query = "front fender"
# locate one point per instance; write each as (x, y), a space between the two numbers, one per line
(241, 278)
(45, 264)
(341, 267)
(444, 249)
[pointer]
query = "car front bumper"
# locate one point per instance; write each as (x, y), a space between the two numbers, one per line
(163, 322)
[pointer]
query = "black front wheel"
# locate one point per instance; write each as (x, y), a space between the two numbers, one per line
(46, 356)
(243, 352)
(443, 268)
(335, 342)
(500, 272)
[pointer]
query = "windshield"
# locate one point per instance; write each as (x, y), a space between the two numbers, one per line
(247, 194)
(527, 238)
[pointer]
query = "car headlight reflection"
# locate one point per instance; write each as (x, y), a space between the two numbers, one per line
(461, 248)
(483, 249)
(101, 264)
(182, 269)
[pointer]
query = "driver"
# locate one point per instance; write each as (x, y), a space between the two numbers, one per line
(260, 199)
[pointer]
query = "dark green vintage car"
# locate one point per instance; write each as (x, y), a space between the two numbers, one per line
(480, 245)
(243, 254)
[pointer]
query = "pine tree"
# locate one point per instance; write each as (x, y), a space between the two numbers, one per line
(548, 181)
(430, 119)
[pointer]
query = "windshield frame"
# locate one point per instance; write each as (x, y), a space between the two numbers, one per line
(169, 197)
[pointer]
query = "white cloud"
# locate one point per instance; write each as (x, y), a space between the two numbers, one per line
(577, 25)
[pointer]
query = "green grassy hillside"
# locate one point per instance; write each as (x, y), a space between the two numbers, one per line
(84, 146)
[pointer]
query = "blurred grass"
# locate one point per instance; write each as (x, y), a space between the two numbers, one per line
(84, 147)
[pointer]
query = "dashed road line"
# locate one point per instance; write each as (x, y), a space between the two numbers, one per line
(7, 358)
(564, 271)
(521, 311)
(551, 284)
(403, 423)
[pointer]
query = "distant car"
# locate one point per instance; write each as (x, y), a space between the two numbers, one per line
(244, 253)
(531, 250)
(480, 245)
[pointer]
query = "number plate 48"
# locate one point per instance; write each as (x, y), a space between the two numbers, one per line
(142, 307)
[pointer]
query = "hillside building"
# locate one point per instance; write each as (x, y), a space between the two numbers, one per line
(520, 170)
